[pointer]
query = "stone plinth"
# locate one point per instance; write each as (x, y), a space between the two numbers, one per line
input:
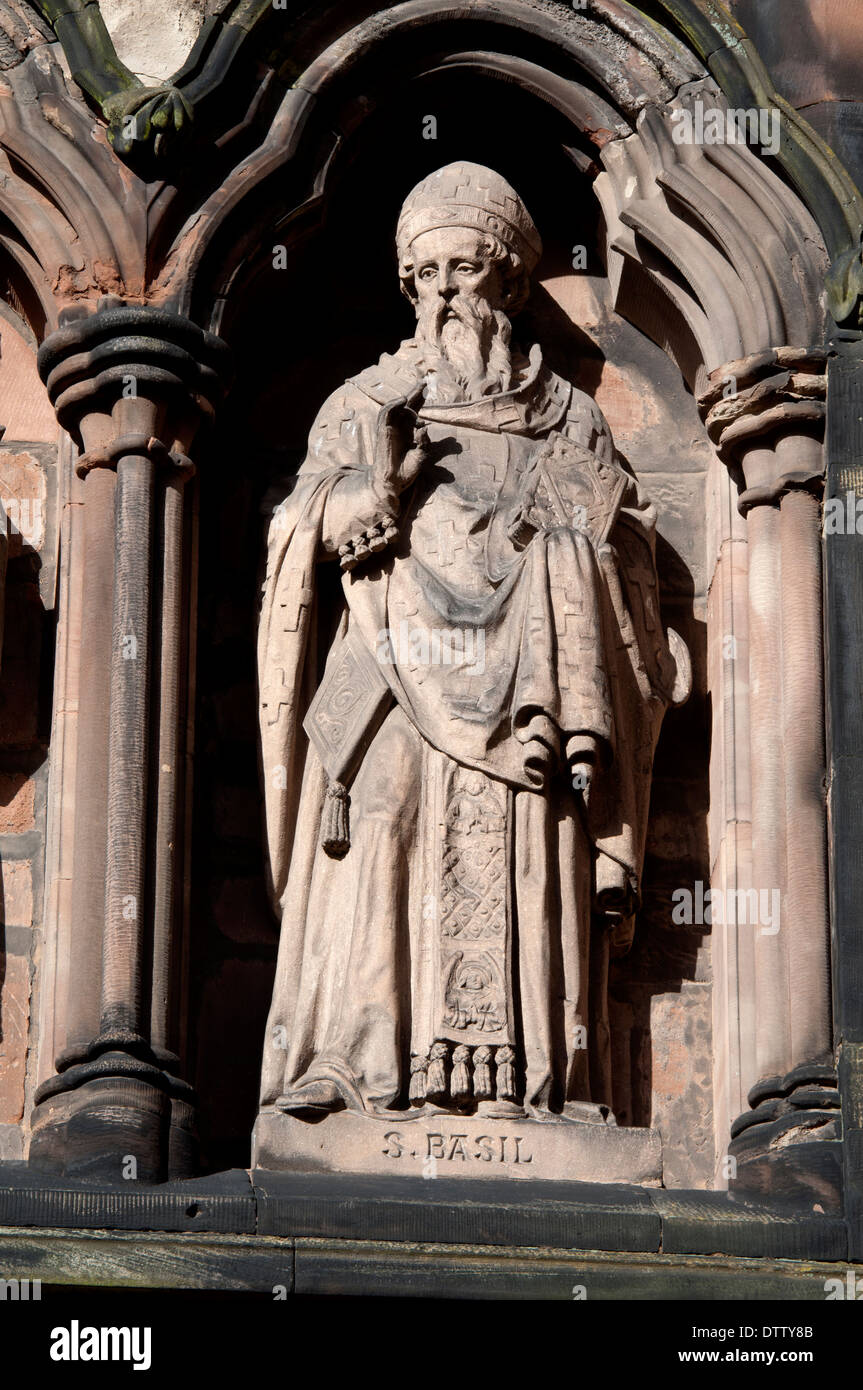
(473, 1146)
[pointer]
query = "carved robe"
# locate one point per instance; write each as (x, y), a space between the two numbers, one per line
(458, 951)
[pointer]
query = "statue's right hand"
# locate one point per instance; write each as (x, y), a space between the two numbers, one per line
(401, 448)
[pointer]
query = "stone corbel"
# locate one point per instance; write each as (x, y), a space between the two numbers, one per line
(131, 385)
(765, 415)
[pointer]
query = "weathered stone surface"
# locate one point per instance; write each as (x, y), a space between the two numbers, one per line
(682, 1081)
(823, 62)
(16, 802)
(152, 41)
(16, 908)
(461, 1147)
(14, 1039)
(27, 413)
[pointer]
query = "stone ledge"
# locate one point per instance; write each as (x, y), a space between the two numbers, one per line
(447, 1210)
(483, 1214)
(266, 1265)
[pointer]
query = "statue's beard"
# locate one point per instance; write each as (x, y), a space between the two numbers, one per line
(465, 348)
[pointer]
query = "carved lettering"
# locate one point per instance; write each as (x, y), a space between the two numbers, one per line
(458, 1148)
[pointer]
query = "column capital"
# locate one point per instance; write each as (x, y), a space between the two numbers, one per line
(752, 404)
(141, 366)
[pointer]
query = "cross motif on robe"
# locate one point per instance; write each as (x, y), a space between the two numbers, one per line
(298, 596)
(275, 696)
(335, 426)
(640, 576)
(569, 632)
(446, 545)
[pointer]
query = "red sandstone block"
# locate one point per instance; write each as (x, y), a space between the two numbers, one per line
(15, 1014)
(27, 411)
(16, 803)
(16, 877)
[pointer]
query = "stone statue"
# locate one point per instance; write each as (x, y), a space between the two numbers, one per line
(458, 740)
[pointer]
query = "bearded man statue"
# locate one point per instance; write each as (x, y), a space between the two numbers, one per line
(457, 747)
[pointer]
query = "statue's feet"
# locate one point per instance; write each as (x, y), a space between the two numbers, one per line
(587, 1112)
(316, 1095)
(500, 1109)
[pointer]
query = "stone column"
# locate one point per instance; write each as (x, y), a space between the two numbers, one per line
(843, 587)
(766, 414)
(131, 385)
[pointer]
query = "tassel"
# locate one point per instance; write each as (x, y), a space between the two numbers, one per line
(505, 1073)
(459, 1087)
(436, 1080)
(347, 558)
(376, 541)
(419, 1067)
(335, 833)
(482, 1088)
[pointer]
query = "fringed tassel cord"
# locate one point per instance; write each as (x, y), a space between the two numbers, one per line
(419, 1067)
(436, 1087)
(482, 1087)
(335, 827)
(459, 1087)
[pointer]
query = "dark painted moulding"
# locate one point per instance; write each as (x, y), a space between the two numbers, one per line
(487, 1215)
(224, 1202)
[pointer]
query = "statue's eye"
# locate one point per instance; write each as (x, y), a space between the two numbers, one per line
(467, 266)
(427, 272)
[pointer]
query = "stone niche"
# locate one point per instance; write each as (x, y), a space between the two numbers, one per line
(298, 334)
(667, 738)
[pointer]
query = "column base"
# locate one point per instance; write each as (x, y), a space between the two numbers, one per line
(789, 1145)
(118, 1119)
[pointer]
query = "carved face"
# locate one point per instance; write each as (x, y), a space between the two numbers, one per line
(455, 260)
(460, 286)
